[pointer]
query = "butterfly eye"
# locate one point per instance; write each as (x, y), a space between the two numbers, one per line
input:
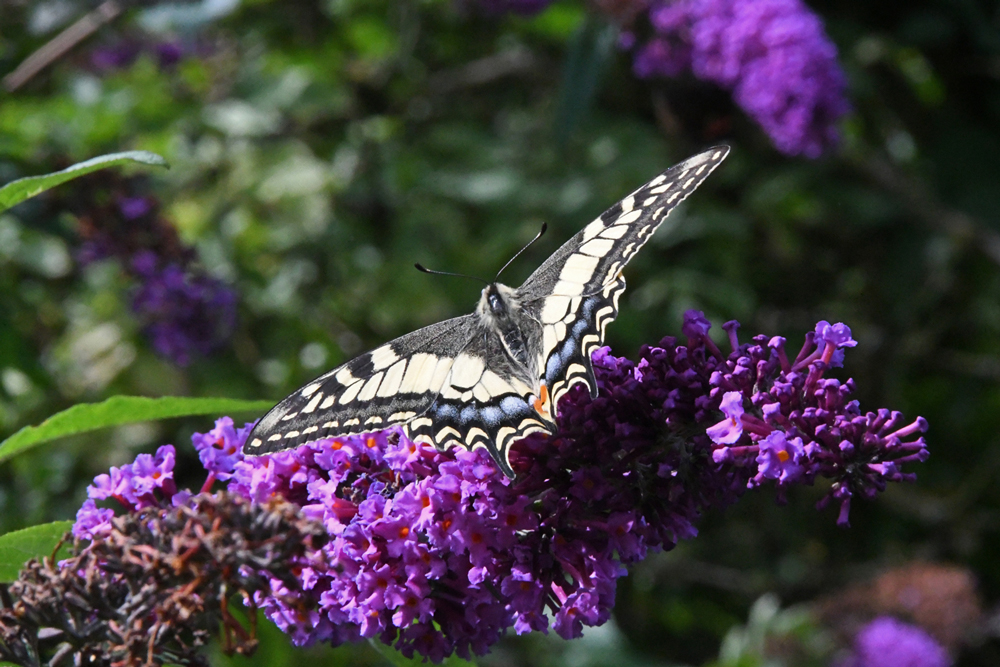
(496, 304)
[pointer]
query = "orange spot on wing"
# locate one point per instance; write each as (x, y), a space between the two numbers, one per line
(541, 403)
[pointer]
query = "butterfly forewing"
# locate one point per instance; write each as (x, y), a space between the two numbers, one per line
(574, 294)
(392, 384)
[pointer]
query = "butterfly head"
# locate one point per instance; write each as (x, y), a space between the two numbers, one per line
(496, 302)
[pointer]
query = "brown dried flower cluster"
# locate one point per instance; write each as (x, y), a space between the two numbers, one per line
(157, 587)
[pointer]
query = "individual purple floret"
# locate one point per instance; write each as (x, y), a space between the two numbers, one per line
(182, 313)
(438, 553)
(774, 56)
(889, 642)
(730, 429)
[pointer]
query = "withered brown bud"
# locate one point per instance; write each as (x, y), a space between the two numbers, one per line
(158, 586)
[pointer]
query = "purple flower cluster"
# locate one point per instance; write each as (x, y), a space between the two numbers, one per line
(887, 642)
(183, 310)
(801, 425)
(439, 553)
(124, 52)
(774, 56)
(146, 482)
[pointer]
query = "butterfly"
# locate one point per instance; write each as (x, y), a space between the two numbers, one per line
(490, 378)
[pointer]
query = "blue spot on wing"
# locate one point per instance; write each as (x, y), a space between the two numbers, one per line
(553, 366)
(446, 411)
(513, 406)
(491, 415)
(568, 350)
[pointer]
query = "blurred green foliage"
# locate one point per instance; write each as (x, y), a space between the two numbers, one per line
(319, 149)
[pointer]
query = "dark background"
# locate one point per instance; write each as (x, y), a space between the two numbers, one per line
(319, 149)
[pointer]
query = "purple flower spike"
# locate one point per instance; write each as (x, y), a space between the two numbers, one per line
(773, 55)
(860, 452)
(183, 313)
(438, 553)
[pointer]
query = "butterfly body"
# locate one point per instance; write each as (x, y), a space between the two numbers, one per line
(490, 378)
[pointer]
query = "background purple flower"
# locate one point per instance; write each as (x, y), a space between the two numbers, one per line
(887, 642)
(122, 53)
(773, 55)
(183, 311)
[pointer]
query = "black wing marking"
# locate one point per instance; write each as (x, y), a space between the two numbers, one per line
(574, 293)
(392, 384)
(487, 401)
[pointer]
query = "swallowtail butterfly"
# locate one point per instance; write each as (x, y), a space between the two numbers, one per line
(492, 377)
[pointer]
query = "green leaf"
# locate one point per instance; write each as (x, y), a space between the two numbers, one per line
(17, 191)
(20, 546)
(119, 410)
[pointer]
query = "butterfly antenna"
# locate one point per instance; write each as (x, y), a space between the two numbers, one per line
(517, 254)
(421, 267)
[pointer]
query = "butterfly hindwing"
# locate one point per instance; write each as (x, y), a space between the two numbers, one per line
(574, 294)
(569, 341)
(392, 384)
(486, 401)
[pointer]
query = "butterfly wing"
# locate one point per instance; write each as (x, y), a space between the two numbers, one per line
(486, 401)
(392, 384)
(574, 294)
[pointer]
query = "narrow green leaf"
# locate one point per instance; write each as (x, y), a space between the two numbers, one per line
(17, 191)
(119, 410)
(20, 546)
